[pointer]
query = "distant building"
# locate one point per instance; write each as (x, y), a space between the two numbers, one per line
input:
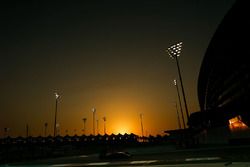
(224, 79)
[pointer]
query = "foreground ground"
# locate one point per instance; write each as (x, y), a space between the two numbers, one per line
(157, 156)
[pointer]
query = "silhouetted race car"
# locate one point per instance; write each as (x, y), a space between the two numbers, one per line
(115, 155)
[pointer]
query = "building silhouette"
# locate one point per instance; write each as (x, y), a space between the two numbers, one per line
(224, 81)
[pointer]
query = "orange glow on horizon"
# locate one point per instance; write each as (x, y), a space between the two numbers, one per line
(122, 127)
(122, 110)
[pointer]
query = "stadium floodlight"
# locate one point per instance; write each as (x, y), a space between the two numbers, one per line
(57, 95)
(174, 52)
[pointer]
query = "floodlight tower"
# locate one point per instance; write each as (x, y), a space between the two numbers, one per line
(174, 52)
(55, 123)
(178, 93)
(94, 111)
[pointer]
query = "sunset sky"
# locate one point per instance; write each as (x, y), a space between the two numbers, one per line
(104, 54)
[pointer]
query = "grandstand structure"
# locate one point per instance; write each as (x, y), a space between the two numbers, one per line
(224, 78)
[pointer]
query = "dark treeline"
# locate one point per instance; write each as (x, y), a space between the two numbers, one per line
(30, 148)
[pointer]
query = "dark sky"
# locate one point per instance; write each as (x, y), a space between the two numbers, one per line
(104, 54)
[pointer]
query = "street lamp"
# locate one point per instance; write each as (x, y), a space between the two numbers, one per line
(93, 110)
(174, 52)
(141, 126)
(6, 130)
(97, 126)
(84, 125)
(178, 93)
(104, 130)
(45, 129)
(55, 124)
(27, 130)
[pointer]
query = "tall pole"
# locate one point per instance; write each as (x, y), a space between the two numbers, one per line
(178, 93)
(93, 110)
(45, 129)
(178, 117)
(27, 130)
(84, 125)
(104, 130)
(174, 52)
(141, 125)
(6, 130)
(58, 129)
(182, 88)
(97, 126)
(57, 96)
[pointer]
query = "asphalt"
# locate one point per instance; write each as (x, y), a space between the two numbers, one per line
(157, 156)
